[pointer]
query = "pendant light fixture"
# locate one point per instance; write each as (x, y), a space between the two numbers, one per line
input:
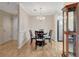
(40, 16)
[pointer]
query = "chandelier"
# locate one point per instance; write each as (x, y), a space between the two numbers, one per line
(40, 16)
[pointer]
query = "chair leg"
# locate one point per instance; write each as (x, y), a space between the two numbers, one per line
(43, 43)
(31, 41)
(36, 45)
(49, 40)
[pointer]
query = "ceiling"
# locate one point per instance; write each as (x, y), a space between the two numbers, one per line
(33, 8)
(48, 8)
(10, 7)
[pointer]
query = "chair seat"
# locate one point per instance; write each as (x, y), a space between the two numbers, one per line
(47, 37)
(40, 43)
(40, 39)
(33, 37)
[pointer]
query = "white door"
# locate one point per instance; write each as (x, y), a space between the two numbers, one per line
(5, 28)
(1, 29)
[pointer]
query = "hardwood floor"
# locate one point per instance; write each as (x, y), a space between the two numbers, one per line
(53, 49)
(8, 49)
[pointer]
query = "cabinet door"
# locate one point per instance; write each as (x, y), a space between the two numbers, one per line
(77, 29)
(65, 29)
(71, 21)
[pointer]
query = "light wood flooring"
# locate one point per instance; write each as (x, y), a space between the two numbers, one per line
(53, 49)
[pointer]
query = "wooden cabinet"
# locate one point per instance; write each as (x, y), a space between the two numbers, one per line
(70, 29)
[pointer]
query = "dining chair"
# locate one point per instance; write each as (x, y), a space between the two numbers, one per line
(31, 36)
(49, 35)
(39, 39)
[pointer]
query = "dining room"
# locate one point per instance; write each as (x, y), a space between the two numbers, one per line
(38, 29)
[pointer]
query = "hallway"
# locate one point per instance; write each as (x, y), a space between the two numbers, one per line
(53, 49)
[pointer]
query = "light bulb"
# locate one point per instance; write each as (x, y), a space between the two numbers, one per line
(43, 18)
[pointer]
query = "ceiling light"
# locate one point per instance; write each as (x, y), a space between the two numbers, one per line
(43, 18)
(40, 16)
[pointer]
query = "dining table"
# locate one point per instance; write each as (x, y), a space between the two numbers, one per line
(40, 40)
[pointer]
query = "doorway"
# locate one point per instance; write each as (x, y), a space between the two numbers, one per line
(59, 29)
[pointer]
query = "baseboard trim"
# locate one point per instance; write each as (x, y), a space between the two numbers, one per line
(6, 42)
(19, 47)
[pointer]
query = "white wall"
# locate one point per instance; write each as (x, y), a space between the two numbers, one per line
(58, 16)
(6, 27)
(1, 28)
(15, 27)
(47, 24)
(23, 26)
(9, 27)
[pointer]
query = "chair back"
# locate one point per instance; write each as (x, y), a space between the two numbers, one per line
(36, 34)
(39, 34)
(50, 33)
(30, 31)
